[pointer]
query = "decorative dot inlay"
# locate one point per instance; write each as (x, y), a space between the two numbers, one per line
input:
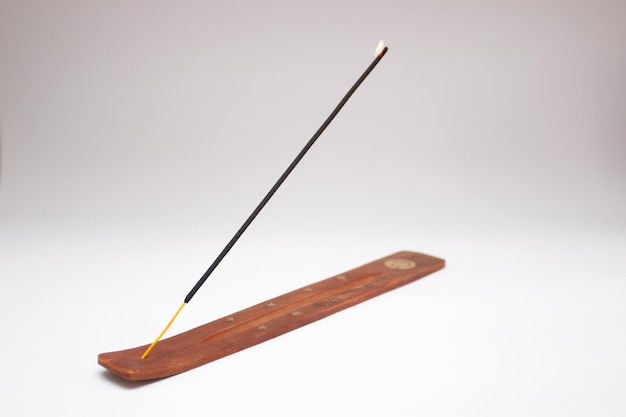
(400, 264)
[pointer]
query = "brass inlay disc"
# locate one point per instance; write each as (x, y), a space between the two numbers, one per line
(400, 264)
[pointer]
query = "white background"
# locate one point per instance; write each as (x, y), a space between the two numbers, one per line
(136, 137)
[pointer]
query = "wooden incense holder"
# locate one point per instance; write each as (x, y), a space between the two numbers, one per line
(269, 319)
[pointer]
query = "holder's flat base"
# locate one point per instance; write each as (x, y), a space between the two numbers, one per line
(269, 319)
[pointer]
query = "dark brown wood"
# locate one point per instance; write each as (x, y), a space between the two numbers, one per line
(269, 319)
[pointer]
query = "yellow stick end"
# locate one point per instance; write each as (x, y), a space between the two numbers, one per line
(145, 354)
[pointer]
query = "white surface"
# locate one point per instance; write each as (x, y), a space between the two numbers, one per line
(136, 137)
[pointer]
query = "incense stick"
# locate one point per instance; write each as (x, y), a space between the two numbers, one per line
(381, 50)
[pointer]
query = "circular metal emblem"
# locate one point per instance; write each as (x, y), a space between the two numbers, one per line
(400, 264)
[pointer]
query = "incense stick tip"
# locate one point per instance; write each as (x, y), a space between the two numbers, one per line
(380, 47)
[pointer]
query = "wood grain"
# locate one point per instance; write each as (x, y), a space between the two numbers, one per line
(269, 319)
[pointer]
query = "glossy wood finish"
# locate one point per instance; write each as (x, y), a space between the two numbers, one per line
(269, 319)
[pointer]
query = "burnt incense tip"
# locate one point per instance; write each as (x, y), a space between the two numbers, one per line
(380, 48)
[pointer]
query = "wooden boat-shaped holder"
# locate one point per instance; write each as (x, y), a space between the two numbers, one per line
(269, 319)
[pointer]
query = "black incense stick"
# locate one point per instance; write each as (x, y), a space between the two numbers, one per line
(257, 210)
(283, 177)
